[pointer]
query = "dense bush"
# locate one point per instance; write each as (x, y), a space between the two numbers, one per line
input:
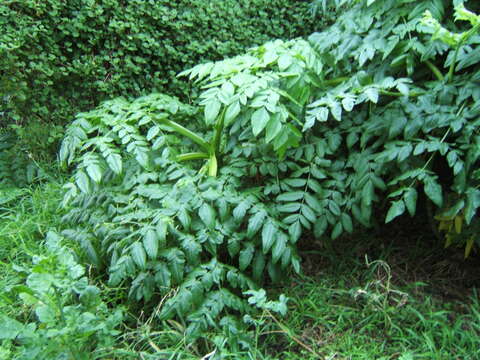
(156, 224)
(58, 57)
(291, 140)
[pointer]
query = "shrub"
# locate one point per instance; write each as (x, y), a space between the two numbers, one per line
(422, 135)
(158, 225)
(60, 57)
(292, 140)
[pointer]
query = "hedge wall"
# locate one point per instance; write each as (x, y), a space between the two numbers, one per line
(58, 57)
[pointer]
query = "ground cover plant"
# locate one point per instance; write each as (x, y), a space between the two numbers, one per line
(192, 210)
(64, 328)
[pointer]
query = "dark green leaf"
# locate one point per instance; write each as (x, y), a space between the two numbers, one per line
(246, 256)
(83, 182)
(337, 231)
(410, 198)
(291, 196)
(289, 207)
(255, 223)
(269, 232)
(274, 127)
(334, 208)
(161, 230)
(367, 193)
(240, 210)
(434, 191)
(207, 214)
(347, 222)
(151, 243)
(279, 247)
(396, 209)
(258, 265)
(295, 231)
(163, 275)
(138, 255)
(320, 226)
(308, 213)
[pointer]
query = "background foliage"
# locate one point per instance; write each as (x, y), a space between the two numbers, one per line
(59, 57)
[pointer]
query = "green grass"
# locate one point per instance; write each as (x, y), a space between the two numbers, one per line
(25, 217)
(354, 311)
(346, 307)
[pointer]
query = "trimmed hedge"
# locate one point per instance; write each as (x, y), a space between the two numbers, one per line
(58, 57)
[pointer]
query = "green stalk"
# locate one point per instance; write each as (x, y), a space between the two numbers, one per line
(392, 93)
(297, 120)
(192, 156)
(465, 37)
(187, 133)
(336, 81)
(218, 134)
(288, 96)
(435, 71)
(452, 65)
(212, 166)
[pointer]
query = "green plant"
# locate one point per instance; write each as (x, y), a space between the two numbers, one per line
(26, 153)
(294, 139)
(16, 170)
(72, 321)
(26, 215)
(391, 142)
(168, 229)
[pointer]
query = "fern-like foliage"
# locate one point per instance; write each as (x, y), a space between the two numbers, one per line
(292, 139)
(375, 111)
(162, 227)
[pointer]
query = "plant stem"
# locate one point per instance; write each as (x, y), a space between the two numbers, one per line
(438, 74)
(192, 156)
(465, 37)
(212, 166)
(218, 133)
(452, 65)
(336, 81)
(187, 133)
(397, 94)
